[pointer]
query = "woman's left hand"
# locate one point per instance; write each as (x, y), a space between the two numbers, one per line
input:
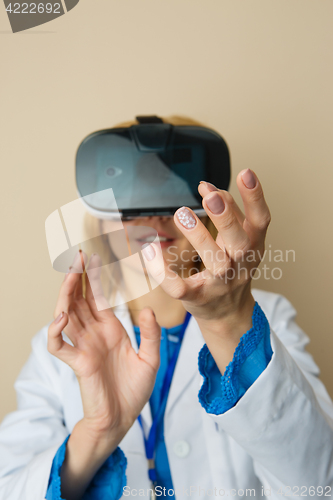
(220, 296)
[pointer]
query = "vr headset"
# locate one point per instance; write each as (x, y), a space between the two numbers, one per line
(152, 168)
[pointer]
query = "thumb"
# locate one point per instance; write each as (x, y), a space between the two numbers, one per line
(150, 333)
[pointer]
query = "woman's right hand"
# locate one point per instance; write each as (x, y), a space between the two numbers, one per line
(115, 381)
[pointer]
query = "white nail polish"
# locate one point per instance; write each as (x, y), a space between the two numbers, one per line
(186, 218)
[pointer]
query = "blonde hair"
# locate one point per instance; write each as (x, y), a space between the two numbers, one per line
(110, 281)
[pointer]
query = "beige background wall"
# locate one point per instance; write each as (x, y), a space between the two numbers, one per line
(258, 71)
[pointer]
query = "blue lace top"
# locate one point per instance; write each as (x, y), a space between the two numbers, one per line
(217, 395)
(108, 481)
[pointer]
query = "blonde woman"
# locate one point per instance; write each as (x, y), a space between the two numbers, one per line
(201, 387)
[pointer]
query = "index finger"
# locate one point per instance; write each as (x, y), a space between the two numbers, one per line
(79, 290)
(95, 296)
(68, 287)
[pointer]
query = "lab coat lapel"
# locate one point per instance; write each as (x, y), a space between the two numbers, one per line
(187, 363)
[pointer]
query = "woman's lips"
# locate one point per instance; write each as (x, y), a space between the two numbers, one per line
(165, 244)
(164, 239)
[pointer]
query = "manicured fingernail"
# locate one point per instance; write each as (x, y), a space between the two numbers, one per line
(59, 318)
(215, 204)
(148, 251)
(186, 218)
(209, 186)
(249, 179)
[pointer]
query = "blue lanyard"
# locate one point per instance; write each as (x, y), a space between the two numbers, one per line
(150, 442)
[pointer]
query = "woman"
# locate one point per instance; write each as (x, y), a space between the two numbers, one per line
(88, 401)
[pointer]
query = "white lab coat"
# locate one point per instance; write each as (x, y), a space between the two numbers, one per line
(279, 434)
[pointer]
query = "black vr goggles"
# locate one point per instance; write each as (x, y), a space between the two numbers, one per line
(153, 168)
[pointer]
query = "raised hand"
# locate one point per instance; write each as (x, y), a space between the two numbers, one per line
(115, 381)
(220, 296)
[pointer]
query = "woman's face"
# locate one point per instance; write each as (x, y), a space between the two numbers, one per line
(177, 251)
